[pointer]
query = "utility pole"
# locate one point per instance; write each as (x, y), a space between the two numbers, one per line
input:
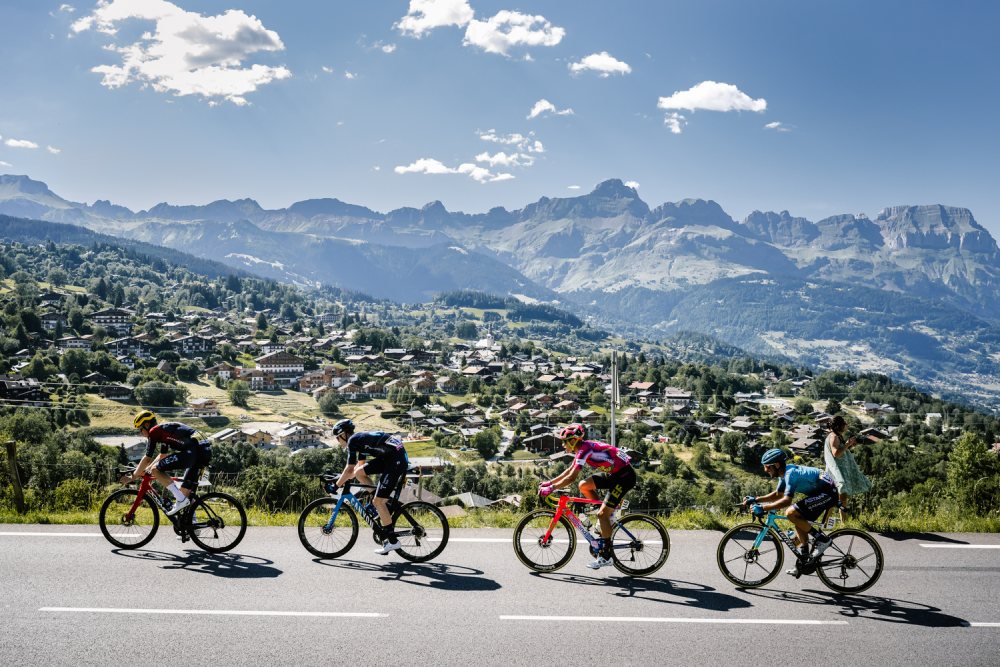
(14, 477)
(614, 393)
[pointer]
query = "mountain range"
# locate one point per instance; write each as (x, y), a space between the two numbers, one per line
(914, 292)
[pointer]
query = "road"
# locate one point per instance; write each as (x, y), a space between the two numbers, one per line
(69, 598)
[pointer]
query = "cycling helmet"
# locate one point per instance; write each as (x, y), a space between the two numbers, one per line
(774, 456)
(572, 435)
(343, 426)
(144, 419)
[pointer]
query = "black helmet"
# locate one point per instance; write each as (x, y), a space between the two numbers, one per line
(343, 426)
(774, 456)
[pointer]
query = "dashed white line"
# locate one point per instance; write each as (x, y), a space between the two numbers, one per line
(211, 612)
(27, 534)
(984, 625)
(658, 619)
(960, 546)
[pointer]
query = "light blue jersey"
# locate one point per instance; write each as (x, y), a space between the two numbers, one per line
(803, 479)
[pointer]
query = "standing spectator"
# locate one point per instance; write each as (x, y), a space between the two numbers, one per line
(840, 462)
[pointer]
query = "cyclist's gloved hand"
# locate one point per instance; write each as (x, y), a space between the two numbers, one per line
(749, 500)
(544, 490)
(757, 509)
(332, 488)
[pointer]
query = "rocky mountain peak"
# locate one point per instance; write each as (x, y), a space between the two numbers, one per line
(934, 227)
(11, 183)
(781, 229)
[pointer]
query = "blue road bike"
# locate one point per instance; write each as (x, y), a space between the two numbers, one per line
(751, 555)
(329, 527)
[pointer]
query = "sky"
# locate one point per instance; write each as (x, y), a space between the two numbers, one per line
(818, 108)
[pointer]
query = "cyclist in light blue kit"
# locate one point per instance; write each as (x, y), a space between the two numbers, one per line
(374, 453)
(820, 493)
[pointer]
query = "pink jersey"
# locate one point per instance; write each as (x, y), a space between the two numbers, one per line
(600, 455)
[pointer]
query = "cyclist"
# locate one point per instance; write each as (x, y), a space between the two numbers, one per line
(820, 493)
(617, 477)
(374, 452)
(189, 453)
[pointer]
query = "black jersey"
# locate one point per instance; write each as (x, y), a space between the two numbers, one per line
(171, 435)
(373, 444)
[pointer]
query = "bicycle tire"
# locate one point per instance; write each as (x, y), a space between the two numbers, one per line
(853, 553)
(128, 534)
(217, 522)
(331, 543)
(644, 540)
(422, 529)
(745, 566)
(544, 556)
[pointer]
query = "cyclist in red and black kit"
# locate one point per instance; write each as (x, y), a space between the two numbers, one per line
(188, 453)
(617, 477)
(378, 453)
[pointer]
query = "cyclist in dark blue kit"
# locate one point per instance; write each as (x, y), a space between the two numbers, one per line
(378, 453)
(189, 453)
(820, 493)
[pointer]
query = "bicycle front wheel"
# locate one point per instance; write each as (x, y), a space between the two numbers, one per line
(124, 528)
(640, 545)
(537, 552)
(218, 522)
(323, 535)
(422, 529)
(744, 564)
(852, 563)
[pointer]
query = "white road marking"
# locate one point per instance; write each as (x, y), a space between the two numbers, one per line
(984, 625)
(657, 619)
(960, 546)
(26, 534)
(211, 612)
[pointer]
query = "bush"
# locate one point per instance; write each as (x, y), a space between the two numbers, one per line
(275, 489)
(73, 494)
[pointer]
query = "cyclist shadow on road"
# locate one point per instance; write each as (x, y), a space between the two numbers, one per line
(440, 576)
(683, 593)
(869, 606)
(226, 566)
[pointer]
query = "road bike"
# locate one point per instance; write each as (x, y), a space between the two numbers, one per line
(328, 526)
(751, 555)
(544, 540)
(129, 517)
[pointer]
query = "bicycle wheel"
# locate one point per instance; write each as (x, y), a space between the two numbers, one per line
(125, 530)
(218, 522)
(852, 563)
(640, 545)
(534, 550)
(324, 538)
(422, 529)
(744, 565)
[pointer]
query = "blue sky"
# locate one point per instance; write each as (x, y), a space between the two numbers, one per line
(819, 108)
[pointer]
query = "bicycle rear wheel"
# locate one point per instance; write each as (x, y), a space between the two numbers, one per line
(640, 545)
(125, 530)
(534, 550)
(745, 565)
(852, 563)
(422, 529)
(323, 537)
(218, 522)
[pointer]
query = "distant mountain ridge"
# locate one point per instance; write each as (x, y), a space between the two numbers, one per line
(623, 262)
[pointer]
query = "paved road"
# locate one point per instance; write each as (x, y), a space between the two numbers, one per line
(68, 598)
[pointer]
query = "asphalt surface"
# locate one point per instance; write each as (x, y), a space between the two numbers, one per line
(67, 597)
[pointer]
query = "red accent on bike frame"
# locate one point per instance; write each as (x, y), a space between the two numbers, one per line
(144, 486)
(563, 508)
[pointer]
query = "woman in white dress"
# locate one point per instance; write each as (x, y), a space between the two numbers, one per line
(841, 464)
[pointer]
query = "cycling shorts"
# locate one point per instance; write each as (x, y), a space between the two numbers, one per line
(821, 499)
(616, 484)
(191, 459)
(390, 470)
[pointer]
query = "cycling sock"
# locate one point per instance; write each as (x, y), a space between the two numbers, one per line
(174, 489)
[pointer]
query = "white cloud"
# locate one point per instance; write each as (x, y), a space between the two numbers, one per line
(632, 184)
(425, 15)
(675, 122)
(508, 29)
(69, 9)
(5, 164)
(504, 160)
(572, 187)
(385, 48)
(432, 166)
(603, 63)
(351, 76)
(20, 143)
(187, 53)
(376, 168)
(523, 143)
(778, 126)
(328, 70)
(712, 96)
(53, 150)
(543, 106)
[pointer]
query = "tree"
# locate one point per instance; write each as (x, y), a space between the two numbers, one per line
(239, 393)
(486, 443)
(972, 465)
(160, 394)
(802, 405)
(731, 442)
(328, 404)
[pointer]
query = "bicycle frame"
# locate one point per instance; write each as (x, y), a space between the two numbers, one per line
(366, 512)
(146, 487)
(563, 509)
(771, 523)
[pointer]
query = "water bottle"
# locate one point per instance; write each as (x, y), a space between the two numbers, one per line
(831, 522)
(585, 520)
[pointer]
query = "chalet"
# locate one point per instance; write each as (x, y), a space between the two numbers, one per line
(806, 446)
(637, 387)
(423, 385)
(20, 391)
(469, 500)
(632, 414)
(932, 417)
(52, 321)
(587, 416)
(203, 407)
(283, 366)
(165, 367)
(259, 380)
(676, 398)
(543, 443)
(74, 343)
(195, 344)
(373, 388)
(566, 406)
(94, 379)
(224, 370)
(446, 384)
(297, 436)
(50, 298)
(351, 391)
(117, 320)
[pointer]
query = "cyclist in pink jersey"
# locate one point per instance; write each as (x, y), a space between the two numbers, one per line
(616, 478)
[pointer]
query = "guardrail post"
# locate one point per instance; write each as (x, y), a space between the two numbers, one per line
(14, 477)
